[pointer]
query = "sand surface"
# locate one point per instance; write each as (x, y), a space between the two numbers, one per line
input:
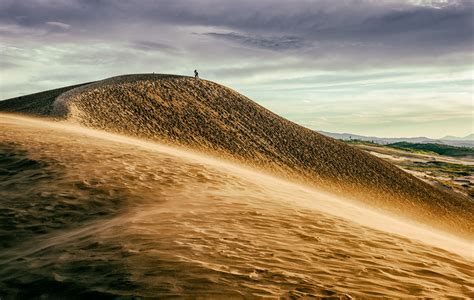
(208, 117)
(90, 214)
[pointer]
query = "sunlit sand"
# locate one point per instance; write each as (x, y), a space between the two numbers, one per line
(151, 185)
(160, 219)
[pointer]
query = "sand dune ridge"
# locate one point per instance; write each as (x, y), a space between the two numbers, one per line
(212, 118)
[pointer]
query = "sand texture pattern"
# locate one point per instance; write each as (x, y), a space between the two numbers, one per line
(208, 117)
(91, 215)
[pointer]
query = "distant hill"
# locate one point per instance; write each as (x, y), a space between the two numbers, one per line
(436, 148)
(467, 141)
(469, 137)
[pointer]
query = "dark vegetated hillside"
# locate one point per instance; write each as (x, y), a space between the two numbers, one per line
(436, 148)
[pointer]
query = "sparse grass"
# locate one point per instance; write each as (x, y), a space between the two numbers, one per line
(453, 176)
(444, 168)
(434, 148)
(360, 142)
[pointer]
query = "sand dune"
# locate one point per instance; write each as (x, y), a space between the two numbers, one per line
(208, 117)
(86, 214)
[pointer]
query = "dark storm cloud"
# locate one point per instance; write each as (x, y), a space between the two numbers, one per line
(383, 29)
(418, 27)
(31, 13)
(152, 46)
(271, 43)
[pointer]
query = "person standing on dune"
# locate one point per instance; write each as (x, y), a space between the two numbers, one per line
(196, 74)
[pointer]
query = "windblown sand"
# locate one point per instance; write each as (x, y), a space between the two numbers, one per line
(205, 116)
(90, 214)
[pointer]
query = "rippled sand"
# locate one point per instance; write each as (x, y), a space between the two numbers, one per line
(89, 214)
(214, 119)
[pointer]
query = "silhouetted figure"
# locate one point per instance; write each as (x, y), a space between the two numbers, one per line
(196, 74)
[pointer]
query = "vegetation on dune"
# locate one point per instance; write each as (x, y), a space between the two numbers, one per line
(448, 168)
(361, 142)
(434, 148)
(450, 174)
(454, 176)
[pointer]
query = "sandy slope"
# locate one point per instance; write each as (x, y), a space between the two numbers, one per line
(89, 214)
(212, 118)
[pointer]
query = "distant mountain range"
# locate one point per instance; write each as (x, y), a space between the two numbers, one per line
(467, 141)
(469, 137)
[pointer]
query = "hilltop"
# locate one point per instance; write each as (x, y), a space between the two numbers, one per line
(211, 118)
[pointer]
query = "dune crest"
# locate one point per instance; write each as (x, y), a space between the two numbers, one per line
(212, 118)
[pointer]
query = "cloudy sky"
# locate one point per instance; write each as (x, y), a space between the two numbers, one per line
(373, 67)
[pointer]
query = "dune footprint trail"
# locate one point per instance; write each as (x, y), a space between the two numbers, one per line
(133, 218)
